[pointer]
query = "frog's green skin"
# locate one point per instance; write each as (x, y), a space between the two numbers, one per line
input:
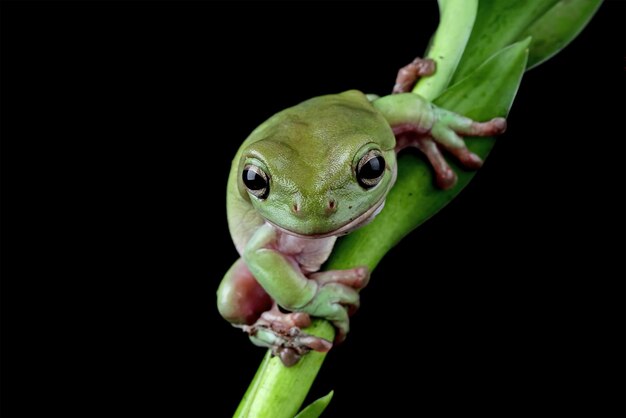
(310, 154)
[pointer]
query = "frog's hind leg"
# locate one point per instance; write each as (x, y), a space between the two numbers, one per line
(243, 302)
(240, 298)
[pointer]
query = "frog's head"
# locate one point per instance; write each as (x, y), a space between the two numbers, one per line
(320, 168)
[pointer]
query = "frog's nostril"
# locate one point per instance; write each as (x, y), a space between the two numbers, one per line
(332, 206)
(295, 208)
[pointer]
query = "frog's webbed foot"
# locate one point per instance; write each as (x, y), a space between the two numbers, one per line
(281, 332)
(446, 132)
(409, 74)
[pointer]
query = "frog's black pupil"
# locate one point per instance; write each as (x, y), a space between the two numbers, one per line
(370, 173)
(253, 181)
(373, 168)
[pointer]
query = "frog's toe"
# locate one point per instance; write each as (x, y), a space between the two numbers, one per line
(356, 278)
(495, 126)
(314, 343)
(409, 74)
(450, 129)
(467, 157)
(449, 139)
(288, 356)
(284, 322)
(445, 177)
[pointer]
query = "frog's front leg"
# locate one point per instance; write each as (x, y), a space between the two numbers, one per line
(285, 267)
(418, 123)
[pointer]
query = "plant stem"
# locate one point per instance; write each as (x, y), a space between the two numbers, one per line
(446, 47)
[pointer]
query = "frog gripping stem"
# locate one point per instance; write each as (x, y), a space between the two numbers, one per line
(281, 332)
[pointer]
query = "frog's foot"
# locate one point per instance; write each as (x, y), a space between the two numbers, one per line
(281, 332)
(337, 297)
(446, 133)
(409, 74)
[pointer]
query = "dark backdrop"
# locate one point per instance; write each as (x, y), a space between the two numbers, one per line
(119, 123)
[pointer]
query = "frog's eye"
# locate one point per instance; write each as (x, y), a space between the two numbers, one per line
(256, 181)
(370, 169)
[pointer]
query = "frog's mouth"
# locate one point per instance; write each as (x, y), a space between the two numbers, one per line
(362, 220)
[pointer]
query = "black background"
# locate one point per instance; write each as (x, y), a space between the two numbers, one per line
(119, 123)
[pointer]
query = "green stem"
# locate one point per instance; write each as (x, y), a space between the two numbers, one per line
(447, 46)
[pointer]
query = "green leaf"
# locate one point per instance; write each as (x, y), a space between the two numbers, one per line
(316, 408)
(498, 24)
(490, 90)
(557, 28)
(552, 24)
(487, 93)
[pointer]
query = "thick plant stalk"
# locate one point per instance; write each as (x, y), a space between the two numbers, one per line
(484, 91)
(446, 48)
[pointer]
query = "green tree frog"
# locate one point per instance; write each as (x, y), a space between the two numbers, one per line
(312, 173)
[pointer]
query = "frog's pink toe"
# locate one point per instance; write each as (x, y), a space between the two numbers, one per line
(301, 319)
(499, 126)
(409, 74)
(288, 356)
(315, 343)
(445, 177)
(467, 158)
(495, 126)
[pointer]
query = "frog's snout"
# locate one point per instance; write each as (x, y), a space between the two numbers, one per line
(329, 207)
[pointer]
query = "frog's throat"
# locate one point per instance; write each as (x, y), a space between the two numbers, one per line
(362, 220)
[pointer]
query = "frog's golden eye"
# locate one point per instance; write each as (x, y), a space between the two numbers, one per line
(256, 181)
(370, 169)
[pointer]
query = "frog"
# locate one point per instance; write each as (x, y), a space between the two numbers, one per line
(312, 173)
